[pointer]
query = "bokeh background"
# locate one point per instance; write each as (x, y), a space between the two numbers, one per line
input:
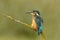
(10, 30)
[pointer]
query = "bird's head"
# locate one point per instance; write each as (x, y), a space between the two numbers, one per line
(34, 13)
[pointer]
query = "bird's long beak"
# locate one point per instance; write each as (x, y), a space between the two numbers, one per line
(29, 12)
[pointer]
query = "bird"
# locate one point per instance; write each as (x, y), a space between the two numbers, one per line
(37, 22)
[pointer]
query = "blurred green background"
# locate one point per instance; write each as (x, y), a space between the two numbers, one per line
(10, 30)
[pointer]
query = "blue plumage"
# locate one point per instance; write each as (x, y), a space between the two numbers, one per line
(39, 22)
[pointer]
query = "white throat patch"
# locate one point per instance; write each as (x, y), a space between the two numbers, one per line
(37, 14)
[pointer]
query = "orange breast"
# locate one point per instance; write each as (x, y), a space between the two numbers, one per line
(34, 25)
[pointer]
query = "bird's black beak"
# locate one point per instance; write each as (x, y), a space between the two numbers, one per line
(29, 12)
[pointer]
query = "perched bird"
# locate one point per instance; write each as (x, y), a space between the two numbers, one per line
(37, 22)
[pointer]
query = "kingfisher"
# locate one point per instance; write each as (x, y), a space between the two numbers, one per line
(37, 22)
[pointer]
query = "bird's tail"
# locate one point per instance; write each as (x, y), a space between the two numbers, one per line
(43, 35)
